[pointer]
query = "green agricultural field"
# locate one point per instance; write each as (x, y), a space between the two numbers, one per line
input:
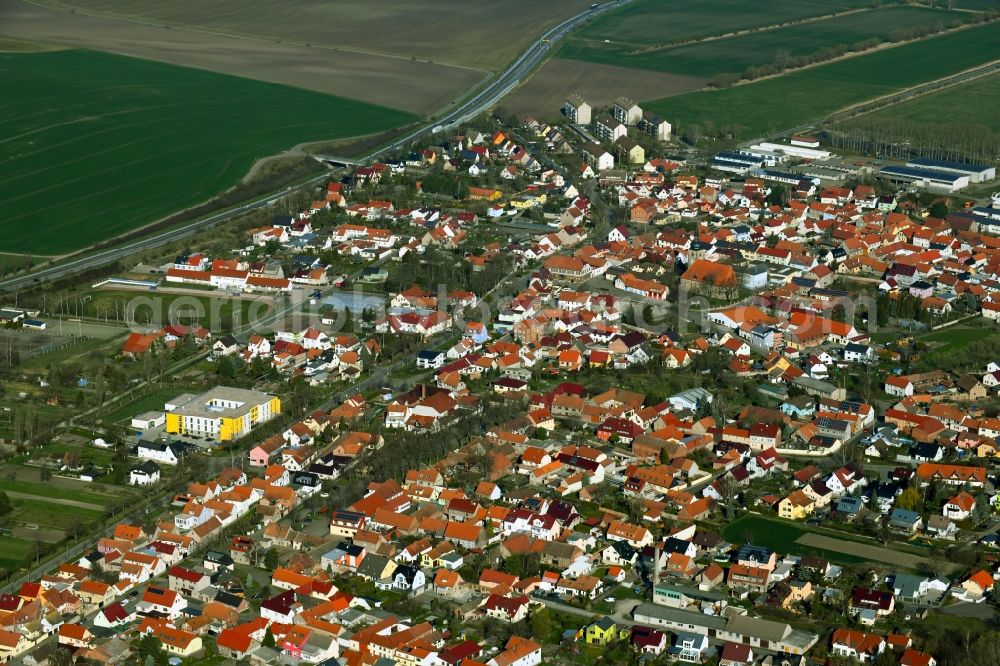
(734, 55)
(977, 5)
(93, 145)
(13, 552)
(785, 102)
(651, 22)
(979, 101)
(161, 308)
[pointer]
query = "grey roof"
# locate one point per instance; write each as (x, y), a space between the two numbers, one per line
(605, 623)
(757, 627)
(802, 401)
(560, 550)
(199, 405)
(938, 522)
(146, 467)
(692, 592)
(679, 616)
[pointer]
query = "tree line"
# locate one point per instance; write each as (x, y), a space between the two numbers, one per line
(784, 60)
(899, 138)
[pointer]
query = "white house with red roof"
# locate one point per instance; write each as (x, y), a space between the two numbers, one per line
(161, 600)
(898, 386)
(959, 507)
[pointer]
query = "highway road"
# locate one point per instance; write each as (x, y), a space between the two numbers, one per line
(496, 90)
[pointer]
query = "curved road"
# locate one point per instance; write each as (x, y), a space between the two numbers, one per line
(481, 101)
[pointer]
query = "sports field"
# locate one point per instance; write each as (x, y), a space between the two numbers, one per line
(214, 311)
(735, 54)
(93, 145)
(785, 102)
(650, 22)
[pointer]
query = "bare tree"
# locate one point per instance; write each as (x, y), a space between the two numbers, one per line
(74, 526)
(728, 490)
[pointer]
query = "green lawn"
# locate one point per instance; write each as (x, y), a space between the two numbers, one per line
(945, 342)
(43, 490)
(734, 55)
(12, 552)
(780, 536)
(781, 103)
(55, 516)
(956, 336)
(94, 144)
(979, 101)
(14, 262)
(97, 456)
(650, 22)
(151, 401)
(158, 307)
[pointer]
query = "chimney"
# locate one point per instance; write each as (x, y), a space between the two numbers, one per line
(656, 564)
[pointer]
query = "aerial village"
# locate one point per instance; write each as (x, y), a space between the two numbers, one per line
(582, 397)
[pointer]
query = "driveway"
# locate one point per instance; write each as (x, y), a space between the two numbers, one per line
(622, 614)
(981, 611)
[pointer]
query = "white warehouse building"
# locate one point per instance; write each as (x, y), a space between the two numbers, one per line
(977, 173)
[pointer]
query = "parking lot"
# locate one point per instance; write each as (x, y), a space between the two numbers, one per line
(159, 434)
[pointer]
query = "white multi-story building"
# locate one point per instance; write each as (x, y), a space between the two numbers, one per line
(577, 110)
(221, 413)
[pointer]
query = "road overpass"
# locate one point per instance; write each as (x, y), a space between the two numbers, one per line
(335, 161)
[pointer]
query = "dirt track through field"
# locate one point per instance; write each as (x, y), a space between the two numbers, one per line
(56, 500)
(408, 85)
(43, 534)
(544, 94)
(867, 551)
